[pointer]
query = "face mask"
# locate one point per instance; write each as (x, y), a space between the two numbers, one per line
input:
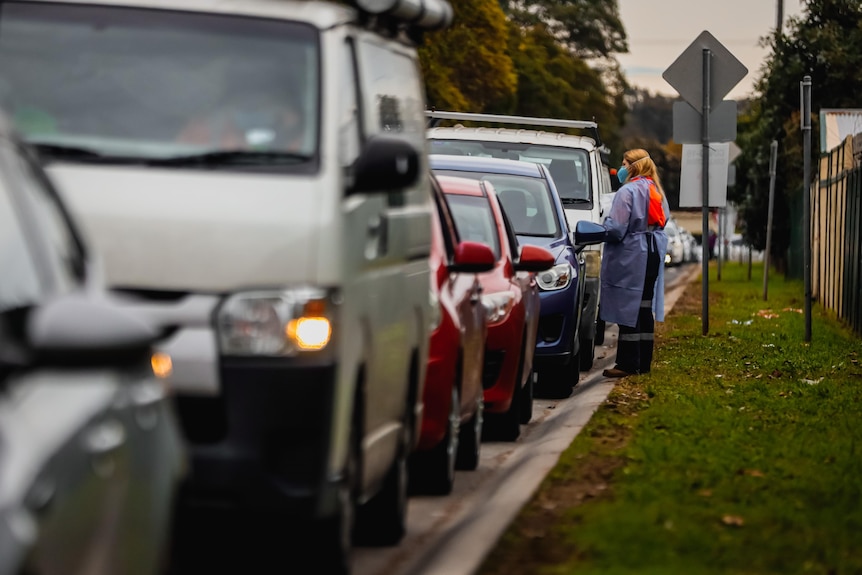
(623, 174)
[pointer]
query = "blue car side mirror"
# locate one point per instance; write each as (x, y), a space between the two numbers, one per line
(589, 233)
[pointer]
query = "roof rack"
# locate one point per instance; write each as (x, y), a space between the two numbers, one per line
(435, 116)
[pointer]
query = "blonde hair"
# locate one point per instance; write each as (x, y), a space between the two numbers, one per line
(640, 164)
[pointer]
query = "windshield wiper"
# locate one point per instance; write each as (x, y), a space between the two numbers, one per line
(69, 152)
(231, 158)
(575, 201)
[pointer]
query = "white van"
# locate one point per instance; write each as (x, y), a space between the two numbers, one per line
(578, 164)
(255, 170)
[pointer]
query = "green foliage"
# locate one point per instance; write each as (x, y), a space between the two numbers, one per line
(826, 44)
(489, 63)
(554, 83)
(737, 454)
(589, 28)
(467, 67)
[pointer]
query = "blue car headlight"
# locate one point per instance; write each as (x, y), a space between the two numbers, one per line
(557, 278)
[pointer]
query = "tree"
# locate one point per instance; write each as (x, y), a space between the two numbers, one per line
(553, 82)
(589, 28)
(826, 44)
(467, 67)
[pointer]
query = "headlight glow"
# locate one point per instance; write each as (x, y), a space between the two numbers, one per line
(275, 323)
(497, 306)
(310, 332)
(162, 365)
(557, 278)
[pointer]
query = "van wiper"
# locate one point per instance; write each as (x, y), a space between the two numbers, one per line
(71, 152)
(231, 158)
(575, 201)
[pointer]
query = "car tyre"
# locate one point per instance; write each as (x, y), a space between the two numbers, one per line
(335, 541)
(587, 353)
(600, 332)
(470, 442)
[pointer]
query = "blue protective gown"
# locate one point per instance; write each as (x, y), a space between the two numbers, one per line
(624, 261)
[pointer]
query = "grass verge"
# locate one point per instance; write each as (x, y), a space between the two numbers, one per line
(740, 453)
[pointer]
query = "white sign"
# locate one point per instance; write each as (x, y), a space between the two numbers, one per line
(690, 187)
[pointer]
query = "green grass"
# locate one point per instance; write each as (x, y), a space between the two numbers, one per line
(740, 453)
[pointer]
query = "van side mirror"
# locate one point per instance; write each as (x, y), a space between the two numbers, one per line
(534, 259)
(386, 164)
(472, 257)
(83, 329)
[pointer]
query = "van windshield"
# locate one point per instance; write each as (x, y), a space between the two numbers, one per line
(100, 83)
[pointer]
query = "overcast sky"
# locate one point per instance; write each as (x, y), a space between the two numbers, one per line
(660, 30)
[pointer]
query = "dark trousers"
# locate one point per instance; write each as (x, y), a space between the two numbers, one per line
(635, 347)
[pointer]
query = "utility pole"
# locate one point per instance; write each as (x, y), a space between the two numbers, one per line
(773, 171)
(779, 20)
(805, 93)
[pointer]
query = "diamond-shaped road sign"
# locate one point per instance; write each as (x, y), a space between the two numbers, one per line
(686, 73)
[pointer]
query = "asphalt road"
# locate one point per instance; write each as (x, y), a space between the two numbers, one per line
(451, 535)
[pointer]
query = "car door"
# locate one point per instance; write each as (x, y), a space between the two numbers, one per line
(526, 283)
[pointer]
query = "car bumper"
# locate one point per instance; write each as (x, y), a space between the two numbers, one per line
(557, 323)
(263, 444)
(500, 373)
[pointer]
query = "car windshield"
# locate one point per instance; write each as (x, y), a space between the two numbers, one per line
(474, 220)
(569, 167)
(98, 83)
(527, 201)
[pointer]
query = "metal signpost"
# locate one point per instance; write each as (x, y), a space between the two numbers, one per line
(805, 109)
(773, 162)
(703, 74)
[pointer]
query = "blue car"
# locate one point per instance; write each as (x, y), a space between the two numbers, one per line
(528, 195)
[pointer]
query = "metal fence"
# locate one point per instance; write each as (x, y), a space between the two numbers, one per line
(836, 232)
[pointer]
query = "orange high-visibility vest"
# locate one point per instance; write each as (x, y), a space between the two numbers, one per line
(655, 216)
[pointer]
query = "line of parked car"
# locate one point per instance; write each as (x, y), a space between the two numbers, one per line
(306, 322)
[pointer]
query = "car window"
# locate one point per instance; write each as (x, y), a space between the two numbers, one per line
(512, 239)
(391, 83)
(21, 284)
(526, 201)
(475, 221)
(445, 221)
(154, 84)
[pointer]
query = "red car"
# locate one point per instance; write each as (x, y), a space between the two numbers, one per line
(451, 432)
(511, 298)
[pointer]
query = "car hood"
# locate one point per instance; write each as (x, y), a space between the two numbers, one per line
(191, 230)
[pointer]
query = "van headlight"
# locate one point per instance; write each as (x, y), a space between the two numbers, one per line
(275, 323)
(556, 278)
(497, 306)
